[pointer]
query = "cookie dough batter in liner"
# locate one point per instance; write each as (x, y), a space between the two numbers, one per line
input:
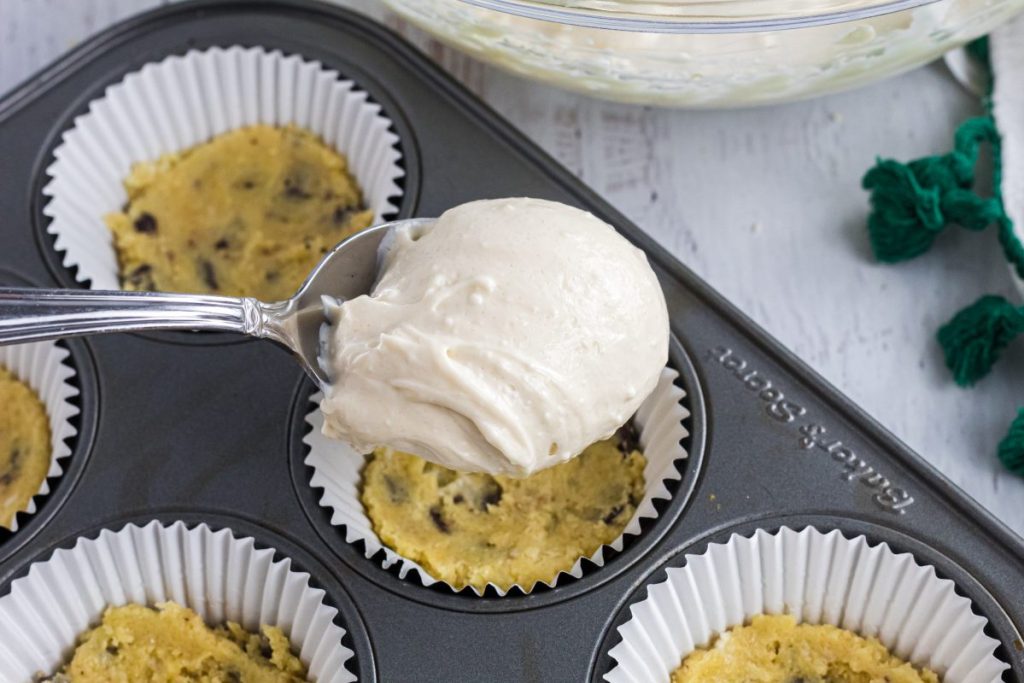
(338, 471)
(28, 372)
(775, 647)
(214, 573)
(135, 642)
(472, 529)
(182, 101)
(819, 577)
(249, 213)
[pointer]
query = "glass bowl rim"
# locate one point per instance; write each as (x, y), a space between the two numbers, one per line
(557, 11)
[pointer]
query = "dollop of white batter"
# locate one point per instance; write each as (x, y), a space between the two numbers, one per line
(504, 338)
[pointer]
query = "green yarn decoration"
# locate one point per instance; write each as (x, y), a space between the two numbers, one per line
(912, 203)
(978, 49)
(1011, 448)
(974, 338)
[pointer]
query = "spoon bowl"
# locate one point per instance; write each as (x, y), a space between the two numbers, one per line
(348, 270)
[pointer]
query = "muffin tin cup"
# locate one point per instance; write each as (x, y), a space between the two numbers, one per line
(220, 576)
(45, 367)
(819, 578)
(182, 101)
(337, 469)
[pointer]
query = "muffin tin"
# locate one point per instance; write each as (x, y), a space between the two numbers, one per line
(208, 430)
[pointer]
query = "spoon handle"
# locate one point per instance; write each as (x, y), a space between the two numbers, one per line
(39, 314)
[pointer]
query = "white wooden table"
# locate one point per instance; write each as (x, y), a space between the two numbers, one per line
(766, 205)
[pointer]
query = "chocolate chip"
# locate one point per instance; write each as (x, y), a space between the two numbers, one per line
(294, 191)
(341, 215)
(612, 514)
(8, 477)
(266, 651)
(145, 223)
(628, 440)
(233, 676)
(459, 498)
(443, 475)
(142, 278)
(396, 492)
(491, 496)
(209, 274)
(112, 650)
(438, 520)
(221, 244)
(272, 276)
(248, 184)
(276, 217)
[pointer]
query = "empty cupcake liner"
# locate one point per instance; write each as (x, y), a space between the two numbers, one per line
(819, 578)
(44, 367)
(337, 469)
(181, 101)
(220, 576)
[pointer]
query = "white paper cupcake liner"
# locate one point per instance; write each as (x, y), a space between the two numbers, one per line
(181, 101)
(43, 366)
(220, 576)
(337, 469)
(819, 578)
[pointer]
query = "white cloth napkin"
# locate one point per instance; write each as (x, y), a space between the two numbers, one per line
(1006, 54)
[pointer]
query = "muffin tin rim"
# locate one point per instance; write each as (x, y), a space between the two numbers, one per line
(635, 550)
(362, 663)
(999, 624)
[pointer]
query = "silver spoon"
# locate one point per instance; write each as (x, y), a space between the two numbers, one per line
(347, 271)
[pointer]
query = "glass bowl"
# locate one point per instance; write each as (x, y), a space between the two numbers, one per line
(706, 53)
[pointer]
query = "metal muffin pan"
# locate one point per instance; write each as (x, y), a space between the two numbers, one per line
(176, 428)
